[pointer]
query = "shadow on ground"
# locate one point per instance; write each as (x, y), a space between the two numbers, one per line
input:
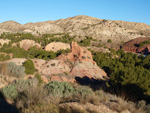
(5, 107)
(130, 92)
(95, 84)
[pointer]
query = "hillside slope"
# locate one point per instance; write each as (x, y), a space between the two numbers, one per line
(82, 26)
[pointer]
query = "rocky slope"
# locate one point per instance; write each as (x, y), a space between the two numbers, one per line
(83, 26)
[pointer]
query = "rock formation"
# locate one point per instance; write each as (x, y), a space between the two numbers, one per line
(77, 63)
(26, 44)
(3, 41)
(133, 46)
(66, 67)
(55, 46)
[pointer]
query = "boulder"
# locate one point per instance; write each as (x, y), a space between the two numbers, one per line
(55, 46)
(26, 44)
(54, 67)
(17, 61)
(3, 41)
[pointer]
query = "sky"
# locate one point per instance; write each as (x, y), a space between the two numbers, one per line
(24, 11)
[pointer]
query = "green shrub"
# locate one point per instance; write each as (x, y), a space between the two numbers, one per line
(109, 41)
(39, 78)
(15, 70)
(144, 43)
(10, 91)
(4, 57)
(29, 66)
(59, 88)
(24, 84)
(126, 72)
(86, 41)
(83, 90)
(84, 94)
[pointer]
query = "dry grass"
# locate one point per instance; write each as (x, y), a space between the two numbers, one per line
(45, 108)
(118, 104)
(32, 96)
(72, 109)
(3, 69)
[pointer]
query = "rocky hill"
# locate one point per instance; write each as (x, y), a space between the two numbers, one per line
(82, 26)
(138, 45)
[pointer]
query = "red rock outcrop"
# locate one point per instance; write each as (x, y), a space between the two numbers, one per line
(77, 54)
(133, 46)
(77, 63)
(81, 62)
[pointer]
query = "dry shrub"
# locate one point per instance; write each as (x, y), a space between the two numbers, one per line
(32, 96)
(72, 109)
(44, 108)
(93, 99)
(103, 97)
(118, 104)
(84, 94)
(54, 99)
(3, 69)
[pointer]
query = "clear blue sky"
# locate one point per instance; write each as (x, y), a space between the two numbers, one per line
(24, 11)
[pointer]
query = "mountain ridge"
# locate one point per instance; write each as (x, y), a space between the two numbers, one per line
(82, 26)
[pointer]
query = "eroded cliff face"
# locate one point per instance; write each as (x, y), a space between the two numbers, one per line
(134, 46)
(83, 26)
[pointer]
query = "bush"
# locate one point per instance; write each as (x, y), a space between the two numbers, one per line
(29, 66)
(25, 84)
(84, 94)
(4, 57)
(10, 91)
(3, 69)
(83, 90)
(126, 72)
(109, 41)
(15, 70)
(46, 108)
(59, 88)
(39, 78)
(85, 42)
(34, 95)
(144, 43)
